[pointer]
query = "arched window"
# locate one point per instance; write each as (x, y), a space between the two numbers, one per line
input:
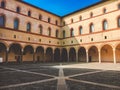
(48, 20)
(29, 13)
(91, 28)
(41, 29)
(71, 20)
(104, 10)
(105, 25)
(18, 9)
(119, 6)
(28, 27)
(91, 14)
(118, 21)
(56, 33)
(72, 32)
(80, 30)
(64, 23)
(2, 21)
(80, 18)
(16, 24)
(2, 4)
(49, 31)
(40, 17)
(56, 22)
(64, 34)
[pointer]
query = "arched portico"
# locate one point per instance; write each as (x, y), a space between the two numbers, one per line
(82, 54)
(93, 54)
(117, 53)
(64, 55)
(49, 55)
(15, 53)
(72, 55)
(39, 54)
(107, 53)
(57, 55)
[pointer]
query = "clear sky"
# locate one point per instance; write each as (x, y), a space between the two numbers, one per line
(61, 7)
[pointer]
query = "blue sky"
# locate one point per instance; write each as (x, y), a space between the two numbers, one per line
(61, 7)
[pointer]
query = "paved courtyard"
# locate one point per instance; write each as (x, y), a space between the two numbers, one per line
(60, 76)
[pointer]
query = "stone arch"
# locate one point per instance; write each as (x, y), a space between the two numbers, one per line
(117, 53)
(39, 54)
(57, 55)
(82, 54)
(93, 54)
(106, 53)
(72, 54)
(64, 55)
(49, 54)
(28, 53)
(3, 50)
(15, 52)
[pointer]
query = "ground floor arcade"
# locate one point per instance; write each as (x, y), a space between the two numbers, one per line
(15, 52)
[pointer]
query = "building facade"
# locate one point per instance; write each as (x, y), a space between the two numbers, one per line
(28, 33)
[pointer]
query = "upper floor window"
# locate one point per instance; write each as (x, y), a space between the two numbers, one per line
(41, 29)
(91, 28)
(105, 25)
(56, 33)
(16, 24)
(56, 22)
(29, 13)
(64, 23)
(64, 34)
(71, 20)
(80, 18)
(91, 14)
(119, 6)
(2, 4)
(48, 20)
(2, 21)
(72, 32)
(40, 17)
(18, 9)
(28, 27)
(80, 30)
(104, 10)
(49, 31)
(118, 21)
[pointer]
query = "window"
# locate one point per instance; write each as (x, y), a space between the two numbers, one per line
(16, 24)
(71, 20)
(40, 17)
(80, 18)
(80, 30)
(104, 10)
(41, 29)
(105, 25)
(91, 28)
(64, 23)
(72, 32)
(18, 9)
(56, 22)
(29, 13)
(2, 21)
(118, 21)
(91, 14)
(49, 31)
(119, 6)
(28, 27)
(64, 35)
(56, 33)
(2, 4)
(48, 20)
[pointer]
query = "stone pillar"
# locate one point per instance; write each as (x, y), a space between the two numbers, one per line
(34, 56)
(53, 56)
(68, 56)
(76, 55)
(22, 51)
(99, 54)
(44, 56)
(7, 51)
(87, 56)
(114, 56)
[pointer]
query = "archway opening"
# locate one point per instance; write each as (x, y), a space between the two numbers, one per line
(93, 54)
(28, 53)
(57, 55)
(117, 53)
(15, 53)
(3, 52)
(72, 55)
(82, 55)
(64, 55)
(49, 55)
(106, 53)
(39, 54)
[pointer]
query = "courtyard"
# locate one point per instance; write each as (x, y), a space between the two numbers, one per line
(59, 76)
